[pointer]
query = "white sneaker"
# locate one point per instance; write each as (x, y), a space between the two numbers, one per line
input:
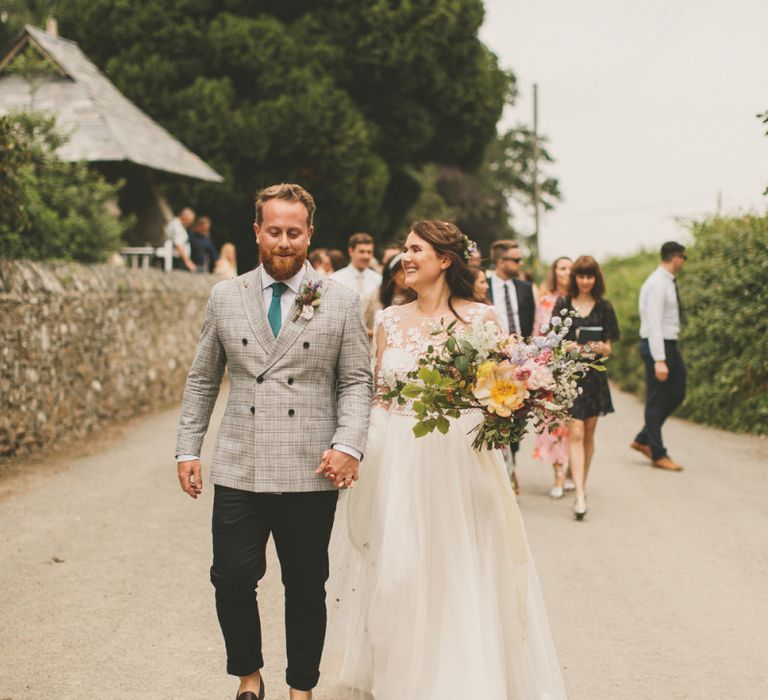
(569, 485)
(556, 492)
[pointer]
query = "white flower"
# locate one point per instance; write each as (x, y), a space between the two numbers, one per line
(556, 321)
(308, 312)
(543, 328)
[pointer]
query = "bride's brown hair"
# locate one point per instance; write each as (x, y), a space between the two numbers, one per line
(448, 241)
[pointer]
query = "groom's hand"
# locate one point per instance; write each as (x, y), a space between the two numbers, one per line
(342, 469)
(190, 478)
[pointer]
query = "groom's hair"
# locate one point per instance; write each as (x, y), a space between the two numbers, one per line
(288, 192)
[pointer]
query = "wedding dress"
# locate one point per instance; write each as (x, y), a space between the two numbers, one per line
(433, 593)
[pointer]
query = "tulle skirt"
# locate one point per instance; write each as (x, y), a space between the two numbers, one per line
(433, 593)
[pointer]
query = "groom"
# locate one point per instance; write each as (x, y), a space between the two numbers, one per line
(299, 400)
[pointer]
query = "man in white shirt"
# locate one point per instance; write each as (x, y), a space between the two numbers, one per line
(177, 232)
(358, 275)
(660, 314)
(511, 296)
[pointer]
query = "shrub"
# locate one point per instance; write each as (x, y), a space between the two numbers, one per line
(623, 279)
(724, 289)
(725, 339)
(49, 208)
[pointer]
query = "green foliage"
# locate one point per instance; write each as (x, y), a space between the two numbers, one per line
(724, 289)
(623, 279)
(51, 209)
(764, 118)
(346, 98)
(725, 341)
(479, 201)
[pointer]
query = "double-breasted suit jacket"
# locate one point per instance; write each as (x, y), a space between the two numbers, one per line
(290, 398)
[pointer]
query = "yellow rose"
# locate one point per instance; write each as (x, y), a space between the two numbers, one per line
(498, 390)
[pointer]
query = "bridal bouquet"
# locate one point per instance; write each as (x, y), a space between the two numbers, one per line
(511, 381)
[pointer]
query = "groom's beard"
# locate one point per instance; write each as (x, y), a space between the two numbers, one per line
(283, 266)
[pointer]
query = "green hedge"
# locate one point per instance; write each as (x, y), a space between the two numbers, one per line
(724, 288)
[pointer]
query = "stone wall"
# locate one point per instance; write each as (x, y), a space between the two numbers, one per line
(81, 346)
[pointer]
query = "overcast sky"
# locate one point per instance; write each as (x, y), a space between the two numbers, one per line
(649, 106)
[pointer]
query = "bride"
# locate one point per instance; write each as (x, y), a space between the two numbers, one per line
(433, 592)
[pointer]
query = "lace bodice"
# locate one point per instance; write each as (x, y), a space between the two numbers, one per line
(405, 337)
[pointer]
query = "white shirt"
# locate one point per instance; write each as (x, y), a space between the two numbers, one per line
(287, 301)
(365, 282)
(177, 234)
(659, 311)
(500, 305)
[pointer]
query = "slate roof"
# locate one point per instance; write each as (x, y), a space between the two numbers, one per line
(103, 124)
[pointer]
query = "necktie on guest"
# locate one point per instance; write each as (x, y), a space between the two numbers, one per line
(680, 311)
(275, 314)
(511, 316)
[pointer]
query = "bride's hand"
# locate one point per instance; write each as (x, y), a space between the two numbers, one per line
(339, 467)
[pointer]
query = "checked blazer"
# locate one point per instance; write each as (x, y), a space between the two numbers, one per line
(290, 398)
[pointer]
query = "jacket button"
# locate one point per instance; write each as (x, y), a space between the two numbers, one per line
(290, 381)
(306, 345)
(245, 341)
(253, 409)
(291, 412)
(259, 380)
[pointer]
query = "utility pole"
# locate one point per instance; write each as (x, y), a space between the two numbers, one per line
(536, 192)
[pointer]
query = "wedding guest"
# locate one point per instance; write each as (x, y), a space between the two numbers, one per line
(338, 259)
(204, 253)
(552, 446)
(511, 296)
(391, 292)
(321, 262)
(176, 231)
(390, 250)
(660, 313)
(515, 307)
(481, 283)
(358, 275)
(586, 296)
(226, 265)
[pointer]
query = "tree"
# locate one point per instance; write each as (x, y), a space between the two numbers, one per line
(479, 200)
(348, 98)
(51, 209)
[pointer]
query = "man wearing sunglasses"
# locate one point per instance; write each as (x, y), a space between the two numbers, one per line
(511, 296)
(660, 317)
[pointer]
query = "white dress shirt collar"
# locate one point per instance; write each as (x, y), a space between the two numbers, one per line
(294, 283)
(663, 270)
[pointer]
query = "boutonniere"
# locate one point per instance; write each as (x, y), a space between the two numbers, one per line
(308, 299)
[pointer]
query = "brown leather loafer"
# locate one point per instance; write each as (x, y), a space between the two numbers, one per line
(668, 464)
(644, 449)
(249, 695)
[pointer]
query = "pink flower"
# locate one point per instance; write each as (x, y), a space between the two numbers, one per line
(539, 377)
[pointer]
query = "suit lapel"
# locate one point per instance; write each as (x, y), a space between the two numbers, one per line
(252, 297)
(291, 329)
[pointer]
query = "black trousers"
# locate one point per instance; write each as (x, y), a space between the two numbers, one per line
(661, 398)
(301, 525)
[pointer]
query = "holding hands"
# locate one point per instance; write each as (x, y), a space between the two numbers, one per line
(340, 468)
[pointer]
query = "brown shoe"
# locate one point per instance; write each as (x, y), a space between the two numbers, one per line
(644, 449)
(668, 464)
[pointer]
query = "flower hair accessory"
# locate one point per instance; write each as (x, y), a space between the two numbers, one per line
(308, 299)
(470, 248)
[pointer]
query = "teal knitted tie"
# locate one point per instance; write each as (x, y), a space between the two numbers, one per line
(275, 315)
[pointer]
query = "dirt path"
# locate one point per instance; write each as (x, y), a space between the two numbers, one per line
(661, 593)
